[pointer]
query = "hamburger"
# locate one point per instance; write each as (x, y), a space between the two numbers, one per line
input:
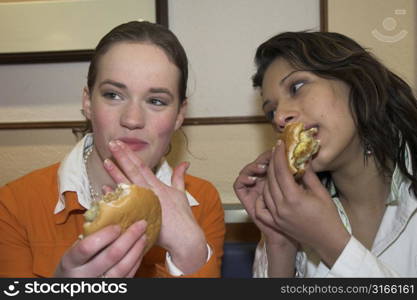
(300, 146)
(125, 206)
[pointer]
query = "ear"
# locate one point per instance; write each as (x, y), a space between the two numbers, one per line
(86, 103)
(181, 115)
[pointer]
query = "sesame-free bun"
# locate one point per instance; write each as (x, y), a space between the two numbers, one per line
(300, 146)
(125, 206)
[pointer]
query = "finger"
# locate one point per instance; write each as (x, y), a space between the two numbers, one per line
(109, 257)
(88, 247)
(257, 167)
(249, 205)
(273, 185)
(141, 246)
(282, 172)
(270, 202)
(178, 175)
(131, 168)
(115, 172)
(132, 258)
(312, 182)
(243, 181)
(262, 214)
(106, 189)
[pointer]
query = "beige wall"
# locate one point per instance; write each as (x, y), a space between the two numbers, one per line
(388, 28)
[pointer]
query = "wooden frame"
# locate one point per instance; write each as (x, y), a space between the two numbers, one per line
(84, 55)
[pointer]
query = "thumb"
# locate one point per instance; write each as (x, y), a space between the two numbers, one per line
(177, 180)
(312, 182)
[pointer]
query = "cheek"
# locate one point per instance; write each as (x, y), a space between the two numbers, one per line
(165, 128)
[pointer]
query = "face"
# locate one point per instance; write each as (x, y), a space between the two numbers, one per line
(292, 95)
(135, 100)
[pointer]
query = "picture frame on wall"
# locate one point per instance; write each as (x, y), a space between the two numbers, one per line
(66, 30)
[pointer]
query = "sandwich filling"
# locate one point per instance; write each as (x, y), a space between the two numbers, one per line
(109, 198)
(306, 147)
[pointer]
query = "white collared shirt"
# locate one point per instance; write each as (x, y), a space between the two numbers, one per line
(72, 176)
(393, 253)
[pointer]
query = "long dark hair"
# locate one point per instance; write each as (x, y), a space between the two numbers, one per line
(140, 32)
(382, 104)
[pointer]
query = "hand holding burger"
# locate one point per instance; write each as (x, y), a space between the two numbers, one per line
(125, 206)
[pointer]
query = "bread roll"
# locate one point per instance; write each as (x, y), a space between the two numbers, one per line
(300, 146)
(125, 206)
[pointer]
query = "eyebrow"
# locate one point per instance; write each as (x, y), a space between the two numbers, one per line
(124, 87)
(266, 102)
(115, 83)
(161, 91)
(288, 75)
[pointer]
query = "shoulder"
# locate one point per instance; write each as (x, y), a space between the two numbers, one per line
(37, 177)
(32, 185)
(199, 185)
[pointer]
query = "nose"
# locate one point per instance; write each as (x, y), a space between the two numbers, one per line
(285, 116)
(133, 116)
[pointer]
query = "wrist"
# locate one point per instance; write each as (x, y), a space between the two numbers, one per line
(330, 251)
(190, 256)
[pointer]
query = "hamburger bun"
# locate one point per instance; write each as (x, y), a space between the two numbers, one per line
(300, 146)
(125, 206)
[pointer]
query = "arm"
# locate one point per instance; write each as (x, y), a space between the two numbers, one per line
(254, 191)
(357, 261)
(181, 234)
(304, 209)
(15, 253)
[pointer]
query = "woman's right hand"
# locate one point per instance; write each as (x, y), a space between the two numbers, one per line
(251, 188)
(250, 183)
(105, 253)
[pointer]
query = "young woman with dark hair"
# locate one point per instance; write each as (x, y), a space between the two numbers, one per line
(353, 213)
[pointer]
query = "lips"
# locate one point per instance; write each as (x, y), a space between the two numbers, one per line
(134, 144)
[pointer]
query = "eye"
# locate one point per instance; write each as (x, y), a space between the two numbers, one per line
(270, 115)
(296, 86)
(157, 102)
(112, 96)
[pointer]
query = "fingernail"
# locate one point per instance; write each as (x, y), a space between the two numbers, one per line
(113, 145)
(252, 178)
(279, 142)
(119, 143)
(108, 164)
(262, 166)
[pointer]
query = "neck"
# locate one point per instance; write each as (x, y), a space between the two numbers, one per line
(361, 185)
(97, 175)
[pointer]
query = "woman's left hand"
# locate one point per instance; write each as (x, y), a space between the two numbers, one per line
(180, 234)
(304, 210)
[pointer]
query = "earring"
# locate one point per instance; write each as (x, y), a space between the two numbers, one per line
(368, 149)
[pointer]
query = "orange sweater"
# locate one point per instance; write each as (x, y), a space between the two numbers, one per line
(33, 238)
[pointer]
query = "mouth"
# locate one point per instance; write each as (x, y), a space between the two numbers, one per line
(315, 130)
(134, 144)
